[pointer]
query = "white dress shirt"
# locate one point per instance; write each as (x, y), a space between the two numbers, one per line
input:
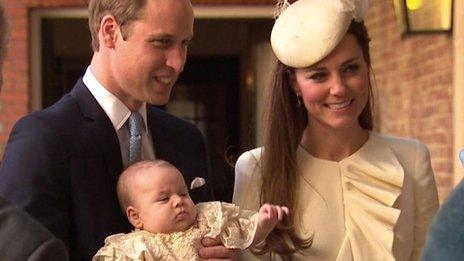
(118, 114)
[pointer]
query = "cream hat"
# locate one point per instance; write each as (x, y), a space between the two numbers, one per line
(308, 30)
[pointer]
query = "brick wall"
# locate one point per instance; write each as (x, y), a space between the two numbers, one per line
(414, 87)
(413, 76)
(15, 99)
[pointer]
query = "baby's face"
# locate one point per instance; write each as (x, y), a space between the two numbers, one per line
(163, 201)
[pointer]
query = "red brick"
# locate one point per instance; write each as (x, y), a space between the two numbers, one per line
(418, 87)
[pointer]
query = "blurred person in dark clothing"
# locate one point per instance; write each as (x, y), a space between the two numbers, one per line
(21, 237)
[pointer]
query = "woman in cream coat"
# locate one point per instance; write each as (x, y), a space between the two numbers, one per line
(353, 194)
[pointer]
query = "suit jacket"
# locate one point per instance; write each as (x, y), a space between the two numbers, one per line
(376, 204)
(23, 238)
(445, 240)
(61, 165)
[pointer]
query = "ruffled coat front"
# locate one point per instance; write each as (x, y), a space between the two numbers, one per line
(373, 205)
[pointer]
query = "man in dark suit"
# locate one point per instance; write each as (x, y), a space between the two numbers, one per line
(61, 164)
(21, 237)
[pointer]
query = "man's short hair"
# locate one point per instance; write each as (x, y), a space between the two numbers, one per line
(124, 11)
(123, 189)
(3, 33)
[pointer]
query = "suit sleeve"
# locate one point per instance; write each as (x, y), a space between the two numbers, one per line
(33, 174)
(426, 198)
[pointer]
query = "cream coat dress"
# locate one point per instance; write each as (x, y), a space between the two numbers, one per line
(373, 205)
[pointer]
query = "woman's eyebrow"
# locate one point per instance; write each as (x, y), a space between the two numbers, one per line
(350, 60)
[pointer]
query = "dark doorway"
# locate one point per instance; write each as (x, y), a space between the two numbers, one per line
(65, 56)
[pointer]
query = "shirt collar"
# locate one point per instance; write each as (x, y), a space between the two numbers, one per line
(113, 107)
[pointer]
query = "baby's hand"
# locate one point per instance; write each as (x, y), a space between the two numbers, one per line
(272, 214)
(268, 217)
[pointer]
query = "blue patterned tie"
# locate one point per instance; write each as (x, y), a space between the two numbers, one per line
(135, 137)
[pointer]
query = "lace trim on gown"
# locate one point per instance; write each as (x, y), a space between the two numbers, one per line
(235, 228)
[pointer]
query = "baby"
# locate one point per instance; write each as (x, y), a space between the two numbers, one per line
(168, 226)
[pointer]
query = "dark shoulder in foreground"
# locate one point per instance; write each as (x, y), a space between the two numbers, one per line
(23, 238)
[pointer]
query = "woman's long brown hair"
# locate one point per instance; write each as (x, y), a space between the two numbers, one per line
(284, 122)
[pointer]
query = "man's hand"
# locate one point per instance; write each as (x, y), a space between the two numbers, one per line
(214, 250)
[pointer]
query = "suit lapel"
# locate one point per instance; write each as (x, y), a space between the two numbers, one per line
(161, 139)
(153, 120)
(100, 127)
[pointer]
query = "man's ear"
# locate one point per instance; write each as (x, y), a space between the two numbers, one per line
(109, 31)
(134, 217)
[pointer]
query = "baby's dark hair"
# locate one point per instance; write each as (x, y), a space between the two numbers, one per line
(122, 188)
